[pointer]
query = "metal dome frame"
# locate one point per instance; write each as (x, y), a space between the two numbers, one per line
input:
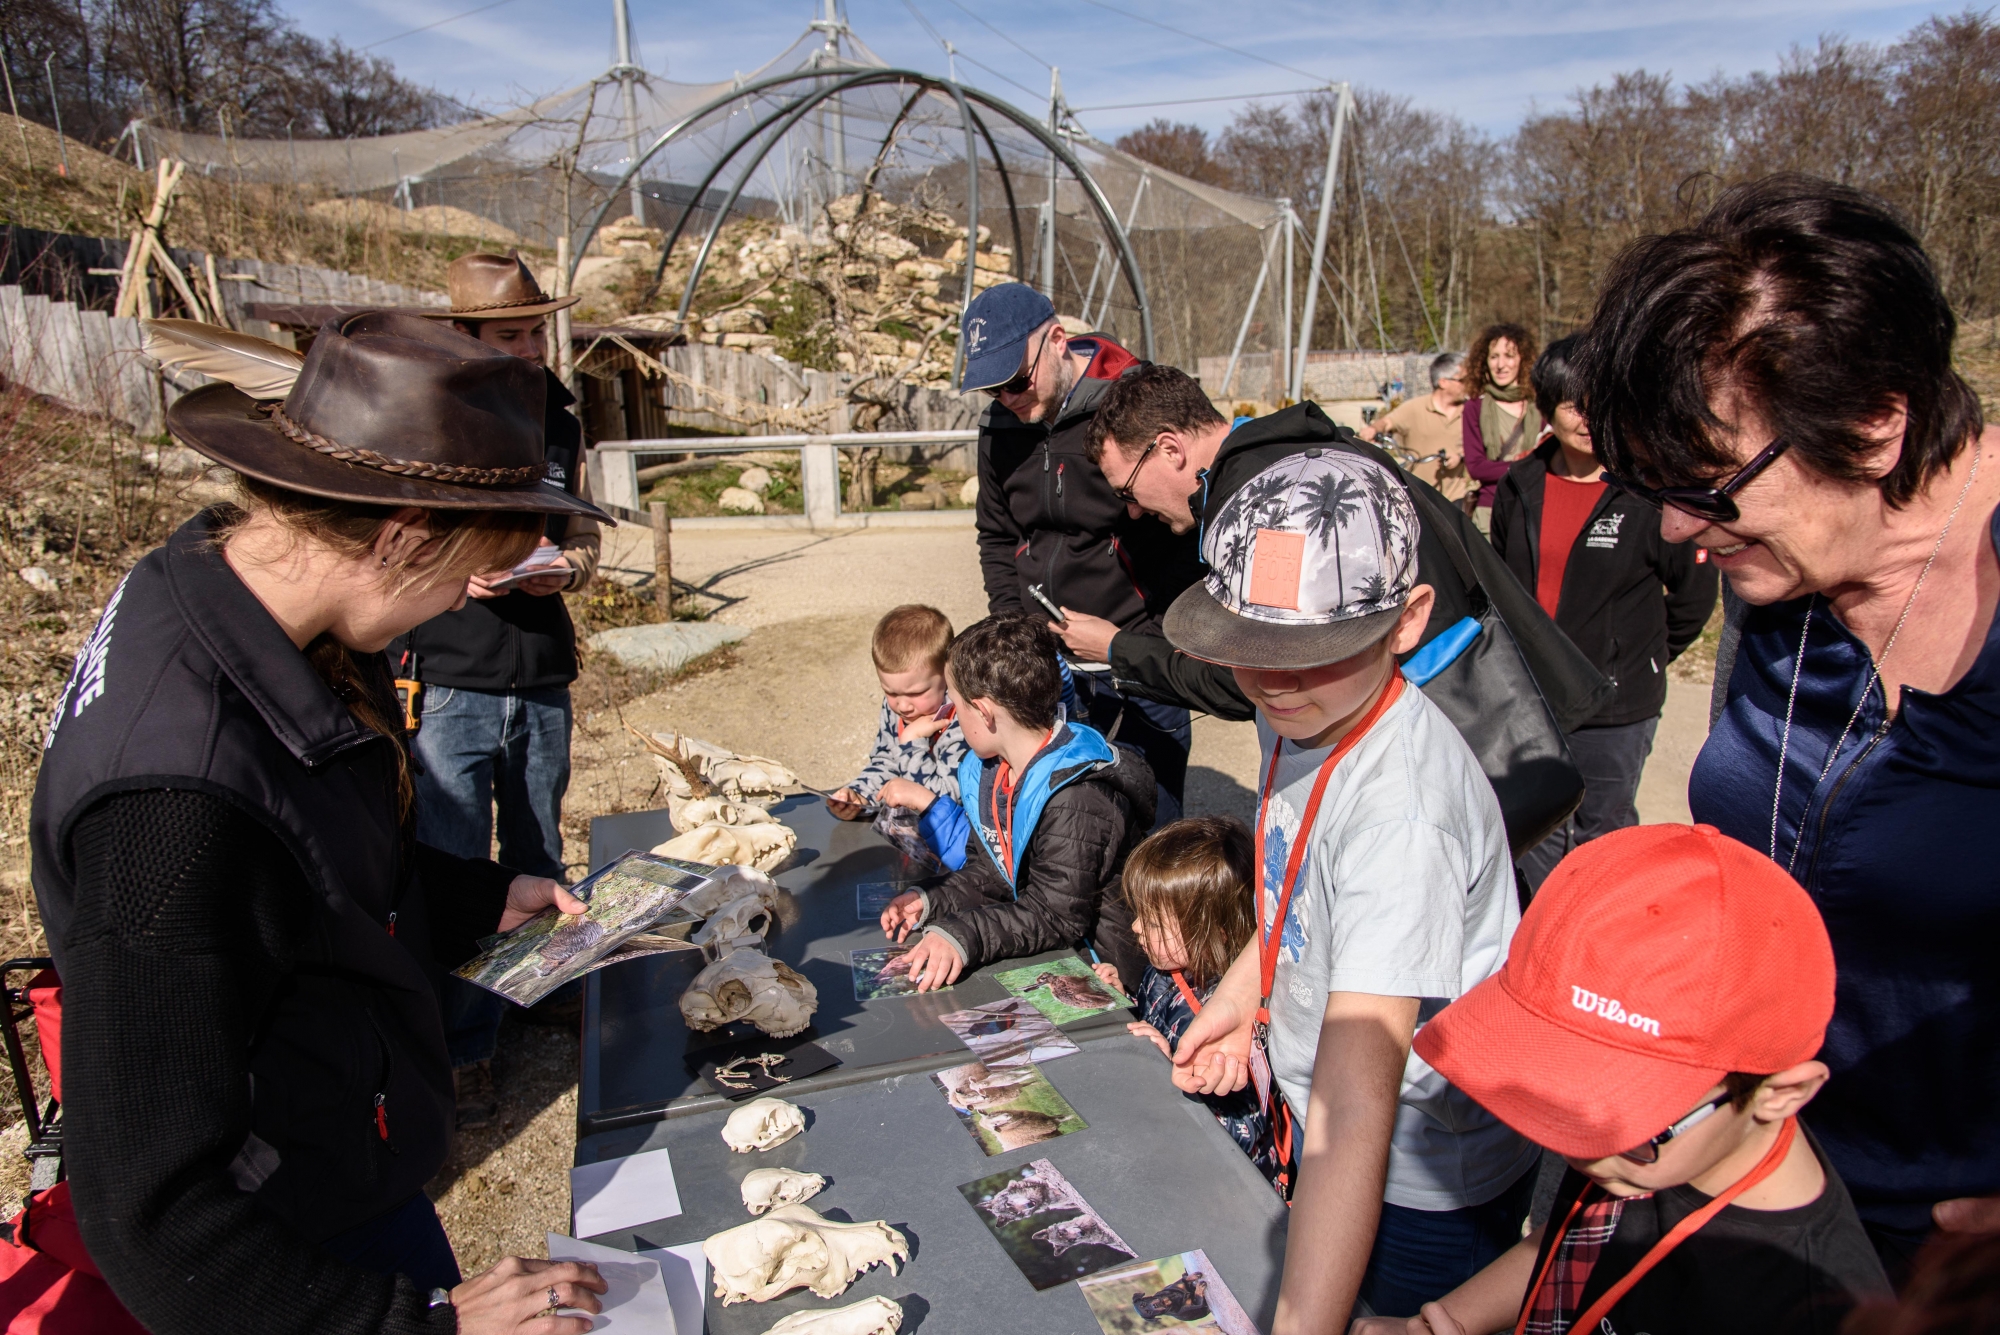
(828, 82)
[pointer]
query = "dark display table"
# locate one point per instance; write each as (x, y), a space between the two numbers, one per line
(635, 1042)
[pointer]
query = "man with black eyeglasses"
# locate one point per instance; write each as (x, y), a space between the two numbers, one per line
(1049, 520)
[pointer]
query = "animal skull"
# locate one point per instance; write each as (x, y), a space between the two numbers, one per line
(689, 813)
(762, 1124)
(747, 984)
(766, 1187)
(870, 1316)
(735, 924)
(794, 1245)
(713, 767)
(760, 846)
(730, 882)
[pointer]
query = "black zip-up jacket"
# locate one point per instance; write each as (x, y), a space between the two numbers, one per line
(1448, 549)
(517, 641)
(1630, 600)
(249, 939)
(1047, 516)
(1068, 874)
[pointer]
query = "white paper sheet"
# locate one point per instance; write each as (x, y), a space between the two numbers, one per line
(619, 1193)
(635, 1299)
(685, 1271)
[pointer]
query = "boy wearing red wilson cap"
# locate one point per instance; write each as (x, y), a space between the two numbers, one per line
(1655, 1024)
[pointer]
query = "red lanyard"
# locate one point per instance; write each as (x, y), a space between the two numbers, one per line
(1680, 1233)
(1268, 938)
(1187, 993)
(1003, 817)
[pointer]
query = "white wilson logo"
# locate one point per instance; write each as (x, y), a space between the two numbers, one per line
(1586, 1000)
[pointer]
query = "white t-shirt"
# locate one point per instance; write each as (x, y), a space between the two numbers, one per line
(1406, 890)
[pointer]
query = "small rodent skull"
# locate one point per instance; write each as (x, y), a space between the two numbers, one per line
(747, 984)
(764, 1188)
(735, 924)
(795, 1245)
(761, 1124)
(870, 1316)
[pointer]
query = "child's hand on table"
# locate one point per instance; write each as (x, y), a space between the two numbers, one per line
(1140, 1029)
(903, 914)
(1108, 972)
(932, 963)
(905, 793)
(846, 804)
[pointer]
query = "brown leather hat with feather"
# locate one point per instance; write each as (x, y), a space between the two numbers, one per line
(386, 408)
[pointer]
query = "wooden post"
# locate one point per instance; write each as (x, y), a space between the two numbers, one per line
(663, 558)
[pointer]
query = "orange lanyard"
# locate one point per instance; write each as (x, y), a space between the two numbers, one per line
(1680, 1233)
(1187, 993)
(1268, 938)
(1003, 817)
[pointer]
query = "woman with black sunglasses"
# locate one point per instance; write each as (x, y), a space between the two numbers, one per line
(1779, 378)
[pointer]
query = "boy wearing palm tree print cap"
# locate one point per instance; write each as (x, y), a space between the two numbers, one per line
(1384, 891)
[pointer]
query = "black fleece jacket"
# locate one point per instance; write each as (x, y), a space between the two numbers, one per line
(1630, 600)
(190, 918)
(1068, 876)
(1047, 516)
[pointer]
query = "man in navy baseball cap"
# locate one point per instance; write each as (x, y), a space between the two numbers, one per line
(1048, 520)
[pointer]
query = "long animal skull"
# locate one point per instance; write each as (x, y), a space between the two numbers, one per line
(795, 1246)
(691, 767)
(870, 1316)
(767, 1187)
(761, 1124)
(761, 846)
(687, 813)
(747, 984)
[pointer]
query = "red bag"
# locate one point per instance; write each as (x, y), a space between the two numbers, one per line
(48, 1283)
(44, 992)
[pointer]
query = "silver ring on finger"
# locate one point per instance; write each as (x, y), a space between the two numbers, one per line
(554, 1301)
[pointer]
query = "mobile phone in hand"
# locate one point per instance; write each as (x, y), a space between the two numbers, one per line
(1035, 592)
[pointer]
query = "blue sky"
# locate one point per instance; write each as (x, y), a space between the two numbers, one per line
(1489, 61)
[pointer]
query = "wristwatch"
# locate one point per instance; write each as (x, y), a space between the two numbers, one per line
(439, 1298)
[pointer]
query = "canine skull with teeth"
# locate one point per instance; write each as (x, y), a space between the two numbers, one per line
(749, 985)
(728, 883)
(761, 846)
(689, 813)
(764, 1188)
(740, 922)
(761, 1124)
(794, 1246)
(870, 1316)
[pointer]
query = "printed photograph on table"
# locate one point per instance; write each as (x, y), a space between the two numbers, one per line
(1063, 990)
(871, 979)
(1007, 1107)
(1174, 1293)
(1004, 1033)
(634, 893)
(872, 897)
(1044, 1225)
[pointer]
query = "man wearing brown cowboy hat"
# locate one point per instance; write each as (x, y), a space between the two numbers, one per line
(494, 724)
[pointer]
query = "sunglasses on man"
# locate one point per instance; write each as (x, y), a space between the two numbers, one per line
(1025, 376)
(1716, 504)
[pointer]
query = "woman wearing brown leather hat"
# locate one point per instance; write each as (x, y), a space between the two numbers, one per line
(247, 930)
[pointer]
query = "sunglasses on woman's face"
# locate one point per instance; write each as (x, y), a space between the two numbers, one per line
(1716, 504)
(1649, 1152)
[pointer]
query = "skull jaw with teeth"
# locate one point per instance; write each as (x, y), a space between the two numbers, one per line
(747, 984)
(794, 1246)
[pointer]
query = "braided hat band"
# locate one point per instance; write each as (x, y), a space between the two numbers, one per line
(466, 473)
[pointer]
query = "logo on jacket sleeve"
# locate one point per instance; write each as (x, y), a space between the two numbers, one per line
(1604, 532)
(86, 678)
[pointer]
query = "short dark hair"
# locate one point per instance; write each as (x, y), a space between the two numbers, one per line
(1010, 660)
(1200, 875)
(1555, 379)
(1146, 400)
(1477, 372)
(1814, 300)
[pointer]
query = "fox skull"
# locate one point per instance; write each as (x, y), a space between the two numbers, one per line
(761, 846)
(870, 1316)
(740, 922)
(795, 1246)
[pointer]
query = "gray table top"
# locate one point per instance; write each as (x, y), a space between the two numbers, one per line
(1153, 1163)
(635, 1042)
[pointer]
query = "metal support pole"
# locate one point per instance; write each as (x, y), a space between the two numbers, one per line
(1281, 374)
(1344, 96)
(565, 355)
(971, 232)
(1048, 238)
(628, 73)
(663, 557)
(1243, 330)
(55, 105)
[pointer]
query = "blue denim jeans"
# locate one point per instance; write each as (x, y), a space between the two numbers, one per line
(480, 753)
(1421, 1255)
(1162, 733)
